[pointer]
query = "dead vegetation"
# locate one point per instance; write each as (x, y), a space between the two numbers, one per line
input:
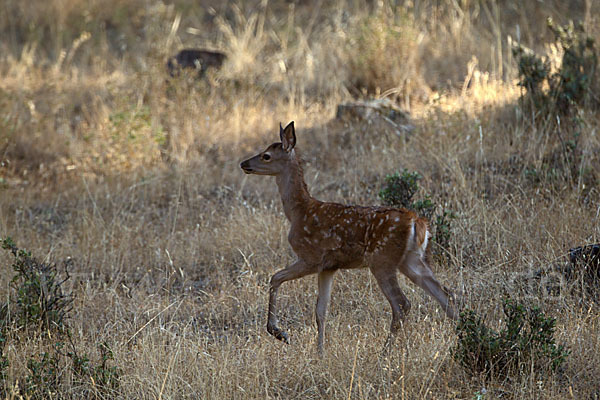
(135, 178)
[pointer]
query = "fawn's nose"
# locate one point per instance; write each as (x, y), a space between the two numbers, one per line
(246, 167)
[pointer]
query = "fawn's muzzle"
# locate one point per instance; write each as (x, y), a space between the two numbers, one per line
(246, 167)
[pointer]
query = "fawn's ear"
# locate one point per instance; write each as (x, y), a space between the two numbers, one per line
(288, 136)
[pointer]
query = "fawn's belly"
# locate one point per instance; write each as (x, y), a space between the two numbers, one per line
(327, 257)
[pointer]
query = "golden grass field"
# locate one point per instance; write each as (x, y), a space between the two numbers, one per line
(136, 179)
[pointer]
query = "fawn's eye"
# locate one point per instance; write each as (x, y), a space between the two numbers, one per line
(266, 157)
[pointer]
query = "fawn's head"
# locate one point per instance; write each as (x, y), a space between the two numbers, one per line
(276, 157)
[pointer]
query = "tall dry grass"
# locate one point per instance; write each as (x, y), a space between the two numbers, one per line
(136, 178)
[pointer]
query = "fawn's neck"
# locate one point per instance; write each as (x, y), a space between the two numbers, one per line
(293, 191)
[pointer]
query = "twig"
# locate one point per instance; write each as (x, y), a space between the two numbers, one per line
(353, 370)
(147, 323)
(162, 387)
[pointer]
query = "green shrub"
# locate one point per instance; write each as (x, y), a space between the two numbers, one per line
(48, 371)
(443, 228)
(103, 375)
(43, 380)
(3, 360)
(560, 100)
(36, 303)
(37, 300)
(573, 83)
(424, 207)
(533, 73)
(399, 190)
(524, 345)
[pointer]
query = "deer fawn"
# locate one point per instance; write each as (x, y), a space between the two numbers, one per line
(330, 236)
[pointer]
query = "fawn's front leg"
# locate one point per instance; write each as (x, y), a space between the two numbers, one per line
(293, 271)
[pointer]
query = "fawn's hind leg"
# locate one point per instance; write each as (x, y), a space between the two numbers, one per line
(416, 268)
(325, 283)
(388, 283)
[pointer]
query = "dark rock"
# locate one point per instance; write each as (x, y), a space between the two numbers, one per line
(585, 263)
(200, 60)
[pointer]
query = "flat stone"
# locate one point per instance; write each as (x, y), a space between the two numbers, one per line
(370, 110)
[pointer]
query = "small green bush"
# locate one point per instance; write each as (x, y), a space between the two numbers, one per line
(524, 345)
(560, 99)
(103, 375)
(573, 83)
(36, 303)
(43, 380)
(533, 73)
(424, 207)
(399, 190)
(443, 228)
(3, 360)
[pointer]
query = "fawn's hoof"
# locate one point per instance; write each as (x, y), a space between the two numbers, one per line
(279, 334)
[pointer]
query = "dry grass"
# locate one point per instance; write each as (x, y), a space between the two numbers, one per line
(137, 179)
